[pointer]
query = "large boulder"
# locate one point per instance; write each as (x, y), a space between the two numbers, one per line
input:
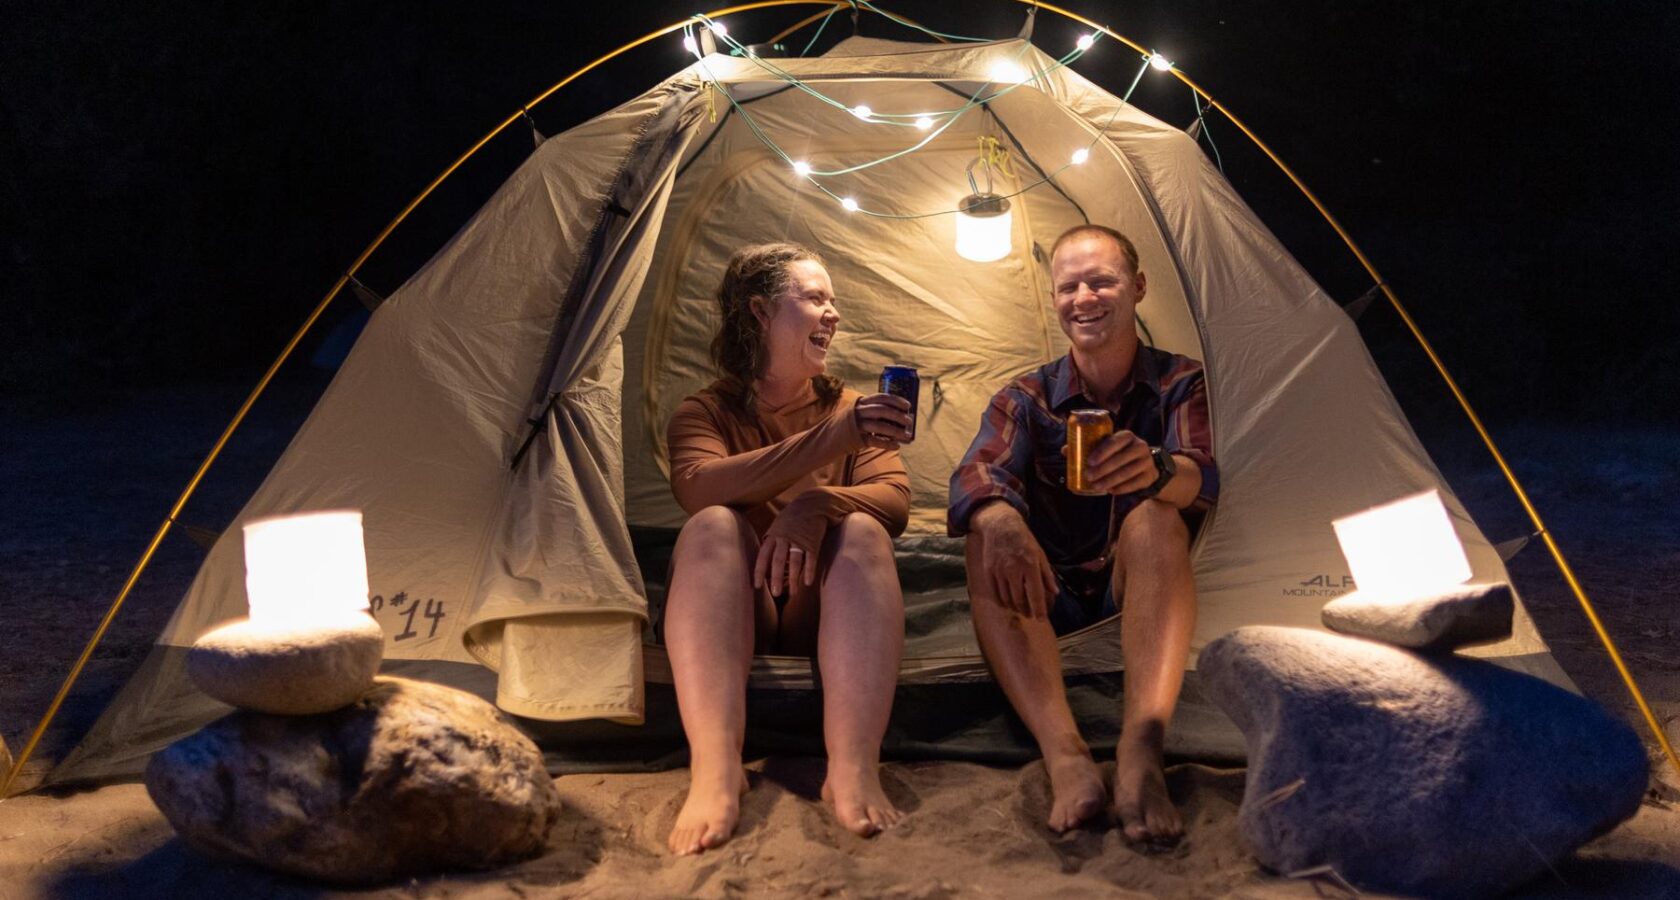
(1436, 623)
(1440, 776)
(412, 777)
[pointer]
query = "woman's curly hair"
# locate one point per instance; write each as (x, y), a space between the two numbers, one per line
(757, 274)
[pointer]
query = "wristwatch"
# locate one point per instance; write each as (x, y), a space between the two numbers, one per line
(1165, 465)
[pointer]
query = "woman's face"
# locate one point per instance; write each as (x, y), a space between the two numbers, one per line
(800, 323)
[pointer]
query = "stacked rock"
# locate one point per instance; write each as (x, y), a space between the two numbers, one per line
(331, 773)
(1404, 767)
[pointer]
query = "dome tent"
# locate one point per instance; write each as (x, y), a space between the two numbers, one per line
(578, 298)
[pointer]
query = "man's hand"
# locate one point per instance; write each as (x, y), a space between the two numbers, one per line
(780, 563)
(883, 420)
(1120, 464)
(1020, 574)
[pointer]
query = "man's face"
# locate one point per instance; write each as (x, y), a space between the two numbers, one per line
(1096, 291)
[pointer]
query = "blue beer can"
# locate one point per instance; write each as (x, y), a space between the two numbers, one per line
(902, 381)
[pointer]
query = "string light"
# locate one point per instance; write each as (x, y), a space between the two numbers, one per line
(1085, 42)
(718, 29)
(1080, 155)
(801, 168)
(850, 204)
(924, 123)
(1159, 63)
(691, 45)
(863, 112)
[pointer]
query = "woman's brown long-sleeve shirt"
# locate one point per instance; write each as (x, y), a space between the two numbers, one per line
(793, 472)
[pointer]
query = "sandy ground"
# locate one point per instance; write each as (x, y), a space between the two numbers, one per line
(86, 485)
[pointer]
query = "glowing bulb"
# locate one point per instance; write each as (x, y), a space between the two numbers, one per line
(1404, 549)
(691, 45)
(863, 112)
(1159, 63)
(1006, 72)
(849, 204)
(984, 227)
(1080, 155)
(924, 122)
(305, 568)
(1085, 41)
(719, 30)
(801, 168)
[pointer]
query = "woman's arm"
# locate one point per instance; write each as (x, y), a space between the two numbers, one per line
(704, 473)
(880, 488)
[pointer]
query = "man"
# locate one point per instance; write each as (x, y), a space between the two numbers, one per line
(1044, 561)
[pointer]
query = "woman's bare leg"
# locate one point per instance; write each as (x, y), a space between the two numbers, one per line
(709, 626)
(859, 642)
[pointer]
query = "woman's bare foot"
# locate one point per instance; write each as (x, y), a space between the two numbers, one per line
(1141, 801)
(1076, 787)
(859, 803)
(709, 814)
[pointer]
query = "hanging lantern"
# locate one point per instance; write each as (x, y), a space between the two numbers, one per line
(305, 569)
(984, 227)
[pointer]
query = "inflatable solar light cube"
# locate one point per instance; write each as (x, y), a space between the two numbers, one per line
(1411, 571)
(309, 644)
(1403, 550)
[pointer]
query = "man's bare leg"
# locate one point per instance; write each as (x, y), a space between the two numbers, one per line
(1024, 658)
(859, 641)
(709, 627)
(1152, 569)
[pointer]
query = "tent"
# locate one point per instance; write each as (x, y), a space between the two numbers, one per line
(500, 420)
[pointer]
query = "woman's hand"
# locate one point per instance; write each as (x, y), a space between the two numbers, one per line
(883, 420)
(781, 562)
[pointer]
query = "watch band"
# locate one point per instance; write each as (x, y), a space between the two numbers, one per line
(1166, 466)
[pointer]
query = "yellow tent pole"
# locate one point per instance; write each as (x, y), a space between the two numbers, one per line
(1452, 384)
(291, 345)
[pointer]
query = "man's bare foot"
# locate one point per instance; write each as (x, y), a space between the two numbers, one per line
(1075, 785)
(1141, 801)
(854, 792)
(709, 814)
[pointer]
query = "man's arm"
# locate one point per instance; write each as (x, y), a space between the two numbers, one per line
(988, 503)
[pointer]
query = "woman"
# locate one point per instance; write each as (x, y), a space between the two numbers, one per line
(793, 487)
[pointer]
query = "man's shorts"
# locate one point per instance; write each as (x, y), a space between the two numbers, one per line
(1084, 598)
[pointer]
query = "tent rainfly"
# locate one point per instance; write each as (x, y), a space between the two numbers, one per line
(500, 420)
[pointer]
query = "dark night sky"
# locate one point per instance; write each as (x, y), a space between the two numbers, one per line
(183, 182)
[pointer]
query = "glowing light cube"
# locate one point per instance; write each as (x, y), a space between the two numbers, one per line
(1404, 549)
(305, 568)
(985, 228)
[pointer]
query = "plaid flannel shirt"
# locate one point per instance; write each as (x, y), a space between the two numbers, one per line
(1017, 454)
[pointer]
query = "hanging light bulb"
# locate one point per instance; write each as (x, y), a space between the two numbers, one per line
(1006, 71)
(849, 204)
(984, 227)
(1159, 63)
(718, 27)
(1085, 42)
(691, 45)
(801, 168)
(924, 122)
(863, 112)
(1080, 155)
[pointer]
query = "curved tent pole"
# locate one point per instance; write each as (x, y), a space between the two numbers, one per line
(291, 345)
(1452, 385)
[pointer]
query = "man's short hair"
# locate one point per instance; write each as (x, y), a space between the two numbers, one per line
(1089, 230)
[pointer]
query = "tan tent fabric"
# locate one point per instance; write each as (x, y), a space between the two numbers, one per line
(579, 298)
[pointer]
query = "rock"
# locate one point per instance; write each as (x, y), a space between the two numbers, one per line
(1438, 776)
(1471, 614)
(413, 777)
(288, 672)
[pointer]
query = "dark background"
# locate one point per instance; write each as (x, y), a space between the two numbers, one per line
(182, 182)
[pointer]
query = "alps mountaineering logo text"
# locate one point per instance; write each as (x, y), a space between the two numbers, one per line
(1321, 586)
